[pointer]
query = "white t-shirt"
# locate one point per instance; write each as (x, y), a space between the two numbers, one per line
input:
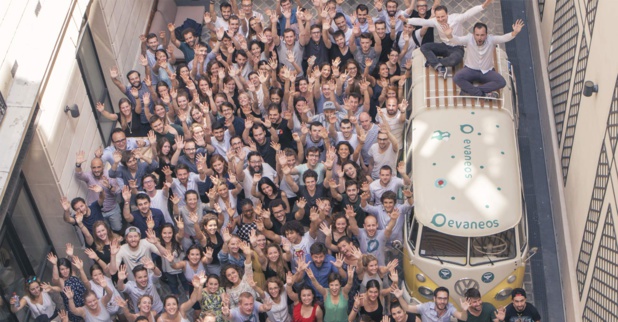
(353, 140)
(221, 148)
(388, 157)
(267, 171)
(376, 189)
(133, 258)
(159, 201)
(301, 249)
(396, 125)
(112, 307)
(135, 292)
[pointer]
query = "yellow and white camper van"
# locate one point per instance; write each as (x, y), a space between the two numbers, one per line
(468, 228)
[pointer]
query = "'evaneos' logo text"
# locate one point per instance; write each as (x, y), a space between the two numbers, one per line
(467, 129)
(440, 220)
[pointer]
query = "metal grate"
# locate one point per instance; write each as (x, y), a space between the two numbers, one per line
(603, 292)
(612, 120)
(541, 7)
(591, 12)
(569, 136)
(561, 59)
(594, 213)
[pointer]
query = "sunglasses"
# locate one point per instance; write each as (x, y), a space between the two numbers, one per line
(31, 280)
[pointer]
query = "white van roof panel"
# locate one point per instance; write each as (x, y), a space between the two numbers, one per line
(466, 171)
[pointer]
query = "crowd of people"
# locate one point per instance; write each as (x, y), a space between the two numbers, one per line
(257, 180)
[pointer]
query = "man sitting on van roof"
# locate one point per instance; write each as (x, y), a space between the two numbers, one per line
(479, 59)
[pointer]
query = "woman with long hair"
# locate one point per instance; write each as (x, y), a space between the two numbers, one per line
(170, 240)
(368, 305)
(305, 307)
(62, 276)
(96, 285)
(335, 297)
(236, 282)
(37, 298)
(173, 311)
(275, 291)
(267, 191)
(213, 296)
(208, 236)
(275, 263)
(144, 308)
(128, 117)
(350, 170)
(94, 310)
(339, 228)
(164, 67)
(99, 244)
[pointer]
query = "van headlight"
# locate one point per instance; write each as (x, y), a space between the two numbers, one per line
(421, 278)
(503, 294)
(511, 279)
(426, 292)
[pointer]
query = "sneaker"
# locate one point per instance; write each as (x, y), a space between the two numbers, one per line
(494, 95)
(441, 70)
(446, 73)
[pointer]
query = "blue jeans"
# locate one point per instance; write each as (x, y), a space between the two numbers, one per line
(174, 281)
(451, 55)
(113, 218)
(488, 82)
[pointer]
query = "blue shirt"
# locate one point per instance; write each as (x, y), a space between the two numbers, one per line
(139, 221)
(95, 214)
(226, 258)
(321, 273)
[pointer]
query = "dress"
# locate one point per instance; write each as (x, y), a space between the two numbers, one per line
(212, 302)
(79, 292)
(374, 315)
(335, 312)
(298, 316)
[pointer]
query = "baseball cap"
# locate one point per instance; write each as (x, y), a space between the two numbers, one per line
(328, 105)
(132, 229)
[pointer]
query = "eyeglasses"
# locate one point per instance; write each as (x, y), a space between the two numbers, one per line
(421, 6)
(189, 149)
(121, 140)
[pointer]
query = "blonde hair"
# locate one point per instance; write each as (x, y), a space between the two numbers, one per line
(367, 258)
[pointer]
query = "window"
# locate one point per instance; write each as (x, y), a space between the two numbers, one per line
(413, 229)
(24, 244)
(493, 248)
(94, 80)
(443, 247)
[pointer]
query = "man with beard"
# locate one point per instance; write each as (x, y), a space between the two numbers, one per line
(346, 132)
(85, 215)
(391, 16)
(349, 198)
(383, 153)
(190, 157)
(189, 44)
(316, 136)
(185, 180)
(371, 131)
(451, 53)
(279, 215)
(291, 47)
(226, 12)
(248, 309)
(136, 82)
(144, 217)
(150, 44)
(362, 12)
(257, 169)
(479, 61)
(368, 49)
(146, 276)
(220, 139)
(383, 212)
(288, 157)
(111, 189)
(315, 47)
(283, 125)
(439, 310)
(386, 39)
(248, 12)
(263, 143)
(479, 311)
(158, 198)
(395, 117)
(120, 143)
(388, 182)
(519, 310)
(133, 253)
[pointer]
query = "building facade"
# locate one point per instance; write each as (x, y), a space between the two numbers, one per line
(54, 54)
(575, 42)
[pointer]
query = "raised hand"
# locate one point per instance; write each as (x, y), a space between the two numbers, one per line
(91, 254)
(122, 272)
(151, 236)
(51, 257)
(148, 263)
(114, 246)
(518, 25)
(325, 229)
(66, 205)
(339, 261)
(301, 203)
(113, 72)
(77, 262)
(150, 223)
(68, 292)
(69, 249)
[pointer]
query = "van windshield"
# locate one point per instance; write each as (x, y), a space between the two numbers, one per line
(443, 247)
(453, 249)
